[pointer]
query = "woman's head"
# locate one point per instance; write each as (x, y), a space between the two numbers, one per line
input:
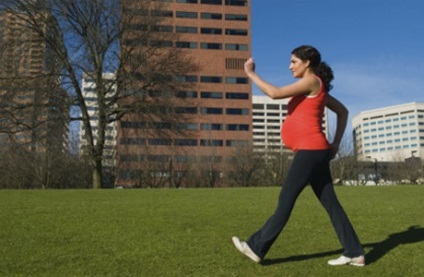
(318, 67)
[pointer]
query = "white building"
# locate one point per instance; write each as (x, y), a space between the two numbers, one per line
(390, 134)
(268, 115)
(90, 98)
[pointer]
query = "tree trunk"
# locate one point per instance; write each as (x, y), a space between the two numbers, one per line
(97, 176)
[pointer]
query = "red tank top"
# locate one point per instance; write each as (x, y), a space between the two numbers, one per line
(302, 128)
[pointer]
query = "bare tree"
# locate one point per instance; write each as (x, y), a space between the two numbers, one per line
(244, 165)
(96, 36)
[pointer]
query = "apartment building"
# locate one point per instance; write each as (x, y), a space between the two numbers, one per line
(268, 115)
(391, 133)
(216, 33)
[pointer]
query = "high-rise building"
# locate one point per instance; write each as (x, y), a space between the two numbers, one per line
(90, 98)
(391, 133)
(33, 111)
(216, 33)
(268, 115)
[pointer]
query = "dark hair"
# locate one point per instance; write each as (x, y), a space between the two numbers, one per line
(320, 68)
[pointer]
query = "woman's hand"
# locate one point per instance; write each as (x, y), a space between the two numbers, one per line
(334, 149)
(249, 66)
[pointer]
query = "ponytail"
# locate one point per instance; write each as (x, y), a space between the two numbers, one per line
(324, 71)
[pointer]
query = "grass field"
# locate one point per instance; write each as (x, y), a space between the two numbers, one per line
(187, 232)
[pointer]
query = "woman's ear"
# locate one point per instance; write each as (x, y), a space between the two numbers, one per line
(307, 63)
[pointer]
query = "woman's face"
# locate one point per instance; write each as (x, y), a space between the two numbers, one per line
(298, 67)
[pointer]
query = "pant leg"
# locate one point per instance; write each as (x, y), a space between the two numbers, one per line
(322, 186)
(298, 177)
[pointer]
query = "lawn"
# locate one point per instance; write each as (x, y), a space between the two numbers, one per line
(187, 232)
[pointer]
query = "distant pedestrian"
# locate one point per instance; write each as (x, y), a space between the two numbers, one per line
(302, 133)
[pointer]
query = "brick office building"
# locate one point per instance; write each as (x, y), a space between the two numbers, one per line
(217, 106)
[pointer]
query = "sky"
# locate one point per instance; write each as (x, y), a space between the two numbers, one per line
(375, 47)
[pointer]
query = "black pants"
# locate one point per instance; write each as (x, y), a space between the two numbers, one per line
(308, 166)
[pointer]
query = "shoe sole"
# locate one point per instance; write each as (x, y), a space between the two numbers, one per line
(252, 256)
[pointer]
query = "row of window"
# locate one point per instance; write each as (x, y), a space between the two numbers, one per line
(186, 44)
(212, 79)
(283, 107)
(269, 134)
(211, 2)
(405, 132)
(185, 126)
(192, 15)
(397, 126)
(189, 29)
(392, 148)
(388, 120)
(191, 94)
(269, 114)
(390, 141)
(183, 142)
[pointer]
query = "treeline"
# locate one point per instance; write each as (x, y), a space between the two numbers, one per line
(21, 169)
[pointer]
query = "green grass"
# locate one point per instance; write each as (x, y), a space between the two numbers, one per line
(187, 232)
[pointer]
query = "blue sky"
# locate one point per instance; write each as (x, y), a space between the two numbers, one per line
(375, 47)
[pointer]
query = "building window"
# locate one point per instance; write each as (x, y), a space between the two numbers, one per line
(211, 95)
(211, 31)
(159, 125)
(236, 2)
(186, 110)
(211, 142)
(162, 13)
(187, 1)
(213, 16)
(213, 46)
(187, 126)
(273, 107)
(210, 79)
(161, 43)
(211, 110)
(163, 28)
(236, 47)
(186, 29)
(237, 127)
(180, 14)
(211, 2)
(186, 142)
(236, 80)
(237, 95)
(186, 94)
(237, 17)
(186, 44)
(187, 79)
(235, 111)
(236, 143)
(236, 32)
(211, 127)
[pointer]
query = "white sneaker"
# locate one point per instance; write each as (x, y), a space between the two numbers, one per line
(244, 248)
(343, 260)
